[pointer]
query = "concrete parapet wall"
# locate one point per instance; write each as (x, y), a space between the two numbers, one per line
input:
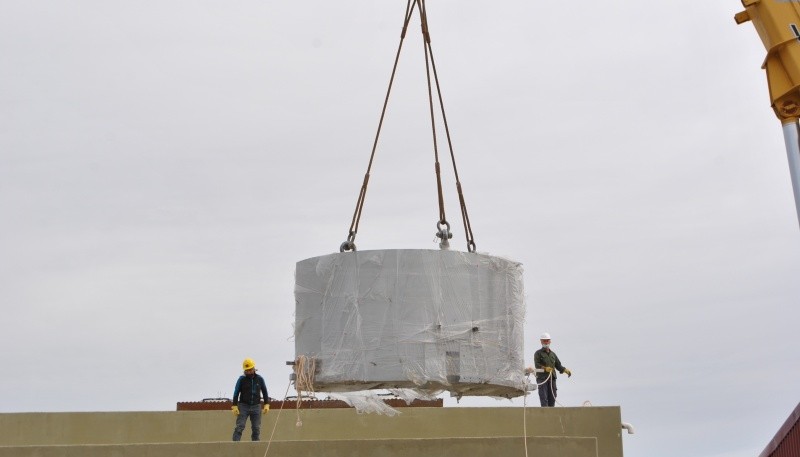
(429, 447)
(600, 424)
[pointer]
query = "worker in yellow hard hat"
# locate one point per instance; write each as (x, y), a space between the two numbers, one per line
(247, 397)
(546, 364)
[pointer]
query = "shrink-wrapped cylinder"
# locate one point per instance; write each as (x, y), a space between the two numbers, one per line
(424, 319)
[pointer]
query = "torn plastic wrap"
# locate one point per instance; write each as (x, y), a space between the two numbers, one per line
(422, 319)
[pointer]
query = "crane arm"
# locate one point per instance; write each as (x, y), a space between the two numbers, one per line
(778, 25)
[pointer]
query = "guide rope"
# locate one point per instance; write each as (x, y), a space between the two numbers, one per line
(277, 419)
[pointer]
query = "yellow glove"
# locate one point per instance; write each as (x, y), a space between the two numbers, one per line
(548, 369)
(266, 408)
(569, 373)
(235, 410)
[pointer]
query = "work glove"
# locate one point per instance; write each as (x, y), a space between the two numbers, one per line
(548, 369)
(569, 373)
(235, 410)
(266, 408)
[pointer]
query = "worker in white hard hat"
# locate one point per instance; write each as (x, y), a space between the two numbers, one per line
(546, 364)
(247, 401)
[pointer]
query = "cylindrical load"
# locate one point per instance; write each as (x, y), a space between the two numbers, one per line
(402, 318)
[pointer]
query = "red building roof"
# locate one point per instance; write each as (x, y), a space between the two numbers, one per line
(787, 441)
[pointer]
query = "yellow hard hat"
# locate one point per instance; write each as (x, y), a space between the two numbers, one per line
(248, 364)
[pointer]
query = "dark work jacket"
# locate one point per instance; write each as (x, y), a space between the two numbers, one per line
(544, 358)
(249, 390)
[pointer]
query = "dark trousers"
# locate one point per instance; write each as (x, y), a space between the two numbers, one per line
(254, 413)
(547, 392)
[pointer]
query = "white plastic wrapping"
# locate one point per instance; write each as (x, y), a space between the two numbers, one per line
(423, 319)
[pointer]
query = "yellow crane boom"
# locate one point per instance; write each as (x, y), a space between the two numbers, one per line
(778, 24)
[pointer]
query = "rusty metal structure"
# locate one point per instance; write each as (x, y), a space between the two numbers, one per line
(224, 404)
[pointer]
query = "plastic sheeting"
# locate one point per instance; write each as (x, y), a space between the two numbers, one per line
(422, 319)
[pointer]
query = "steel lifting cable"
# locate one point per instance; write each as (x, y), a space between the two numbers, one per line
(462, 203)
(442, 225)
(349, 244)
(426, 41)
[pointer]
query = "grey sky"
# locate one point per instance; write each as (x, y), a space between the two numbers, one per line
(163, 165)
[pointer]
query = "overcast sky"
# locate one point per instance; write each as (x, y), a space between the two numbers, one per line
(164, 164)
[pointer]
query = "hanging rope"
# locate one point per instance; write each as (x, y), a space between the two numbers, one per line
(525, 414)
(304, 369)
(277, 419)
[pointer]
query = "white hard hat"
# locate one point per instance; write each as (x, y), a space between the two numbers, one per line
(545, 336)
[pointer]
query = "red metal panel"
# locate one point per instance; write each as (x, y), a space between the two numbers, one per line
(786, 442)
(790, 446)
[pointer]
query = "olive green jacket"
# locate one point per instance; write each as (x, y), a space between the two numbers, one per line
(546, 358)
